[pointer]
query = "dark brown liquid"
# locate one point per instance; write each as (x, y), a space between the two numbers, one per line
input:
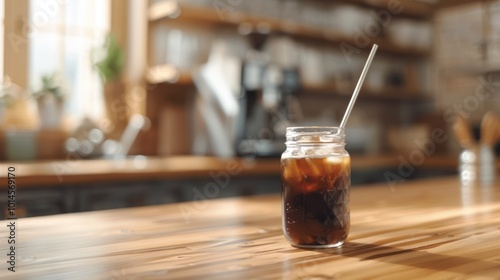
(316, 200)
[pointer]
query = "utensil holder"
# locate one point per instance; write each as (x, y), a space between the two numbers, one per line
(477, 165)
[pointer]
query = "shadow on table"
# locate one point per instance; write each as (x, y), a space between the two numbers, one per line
(413, 258)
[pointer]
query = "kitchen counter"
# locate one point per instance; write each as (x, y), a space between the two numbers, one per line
(423, 229)
(141, 168)
(57, 173)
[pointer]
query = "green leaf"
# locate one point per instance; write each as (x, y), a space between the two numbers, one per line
(109, 59)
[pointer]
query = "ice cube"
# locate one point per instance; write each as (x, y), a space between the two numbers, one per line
(291, 172)
(334, 160)
(310, 167)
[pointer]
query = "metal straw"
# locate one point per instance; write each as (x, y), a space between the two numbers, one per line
(358, 86)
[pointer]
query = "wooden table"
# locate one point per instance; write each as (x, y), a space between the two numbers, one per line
(430, 229)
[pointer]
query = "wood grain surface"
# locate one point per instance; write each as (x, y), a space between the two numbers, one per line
(429, 229)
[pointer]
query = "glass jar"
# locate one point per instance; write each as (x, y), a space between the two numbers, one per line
(477, 165)
(316, 179)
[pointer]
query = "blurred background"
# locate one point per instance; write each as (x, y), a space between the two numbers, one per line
(205, 81)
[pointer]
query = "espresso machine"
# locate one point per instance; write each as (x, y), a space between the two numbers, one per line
(267, 102)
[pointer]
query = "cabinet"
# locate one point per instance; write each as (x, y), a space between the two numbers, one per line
(332, 39)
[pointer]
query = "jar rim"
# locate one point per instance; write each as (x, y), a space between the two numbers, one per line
(313, 128)
(314, 135)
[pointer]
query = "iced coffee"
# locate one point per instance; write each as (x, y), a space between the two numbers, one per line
(315, 175)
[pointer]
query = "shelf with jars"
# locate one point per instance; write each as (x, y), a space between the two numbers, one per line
(316, 47)
(467, 55)
(365, 34)
(321, 44)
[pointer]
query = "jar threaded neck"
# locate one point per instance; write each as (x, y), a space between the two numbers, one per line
(315, 135)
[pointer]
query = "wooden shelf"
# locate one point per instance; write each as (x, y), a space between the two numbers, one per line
(163, 75)
(167, 10)
(168, 74)
(452, 3)
(475, 69)
(410, 9)
(388, 94)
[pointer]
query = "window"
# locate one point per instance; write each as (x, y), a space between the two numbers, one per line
(2, 10)
(64, 34)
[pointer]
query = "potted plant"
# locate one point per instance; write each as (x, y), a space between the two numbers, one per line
(5, 98)
(50, 101)
(109, 63)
